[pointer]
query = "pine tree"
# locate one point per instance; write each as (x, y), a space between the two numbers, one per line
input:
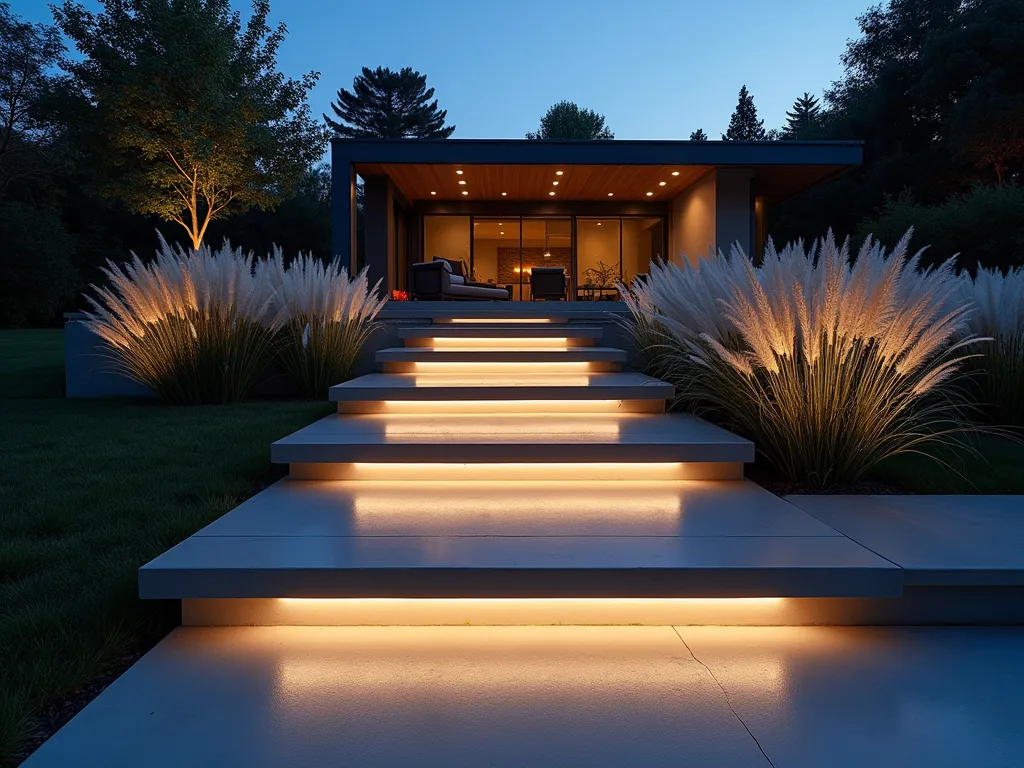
(698, 135)
(744, 125)
(804, 114)
(389, 105)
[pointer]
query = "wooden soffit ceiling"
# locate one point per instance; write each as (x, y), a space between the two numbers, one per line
(536, 182)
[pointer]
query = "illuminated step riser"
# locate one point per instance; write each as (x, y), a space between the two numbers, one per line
(483, 342)
(484, 407)
(501, 471)
(486, 611)
(455, 368)
(917, 606)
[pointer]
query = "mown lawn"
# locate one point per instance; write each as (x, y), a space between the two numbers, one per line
(89, 491)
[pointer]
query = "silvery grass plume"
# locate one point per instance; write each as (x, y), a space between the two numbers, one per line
(998, 378)
(192, 326)
(329, 319)
(829, 366)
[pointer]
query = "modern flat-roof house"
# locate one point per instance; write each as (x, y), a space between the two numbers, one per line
(595, 208)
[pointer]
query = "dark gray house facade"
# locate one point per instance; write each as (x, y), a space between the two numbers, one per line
(599, 209)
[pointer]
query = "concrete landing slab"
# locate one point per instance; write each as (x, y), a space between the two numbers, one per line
(937, 540)
(854, 697)
(556, 696)
(502, 386)
(494, 539)
(540, 437)
(450, 696)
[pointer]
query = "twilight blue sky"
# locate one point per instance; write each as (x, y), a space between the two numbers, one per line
(657, 69)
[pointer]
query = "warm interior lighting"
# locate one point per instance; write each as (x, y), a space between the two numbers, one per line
(675, 173)
(456, 342)
(552, 367)
(558, 173)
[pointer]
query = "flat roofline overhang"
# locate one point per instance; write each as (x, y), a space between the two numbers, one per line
(610, 152)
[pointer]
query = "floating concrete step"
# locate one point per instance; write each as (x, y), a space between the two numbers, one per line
(501, 387)
(492, 539)
(541, 437)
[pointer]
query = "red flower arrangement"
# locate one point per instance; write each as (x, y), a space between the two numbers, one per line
(399, 296)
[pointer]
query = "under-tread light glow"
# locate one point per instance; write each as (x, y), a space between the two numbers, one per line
(455, 342)
(572, 366)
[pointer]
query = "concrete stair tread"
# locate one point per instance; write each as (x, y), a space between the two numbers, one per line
(499, 386)
(378, 539)
(499, 331)
(551, 437)
(526, 355)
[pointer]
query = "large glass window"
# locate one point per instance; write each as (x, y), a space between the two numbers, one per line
(447, 237)
(547, 242)
(643, 240)
(598, 262)
(496, 259)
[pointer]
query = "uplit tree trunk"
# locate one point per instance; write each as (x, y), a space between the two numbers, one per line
(201, 205)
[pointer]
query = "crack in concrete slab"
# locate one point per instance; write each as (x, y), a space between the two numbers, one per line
(725, 694)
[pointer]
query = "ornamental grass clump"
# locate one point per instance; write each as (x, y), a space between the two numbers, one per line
(829, 366)
(329, 319)
(192, 326)
(998, 370)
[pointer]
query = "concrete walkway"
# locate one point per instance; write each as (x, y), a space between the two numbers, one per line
(559, 696)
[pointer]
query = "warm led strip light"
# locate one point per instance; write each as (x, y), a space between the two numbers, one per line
(517, 471)
(571, 366)
(514, 342)
(498, 320)
(495, 407)
(385, 611)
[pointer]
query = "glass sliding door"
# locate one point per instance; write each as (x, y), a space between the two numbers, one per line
(496, 252)
(643, 240)
(598, 258)
(447, 237)
(547, 242)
